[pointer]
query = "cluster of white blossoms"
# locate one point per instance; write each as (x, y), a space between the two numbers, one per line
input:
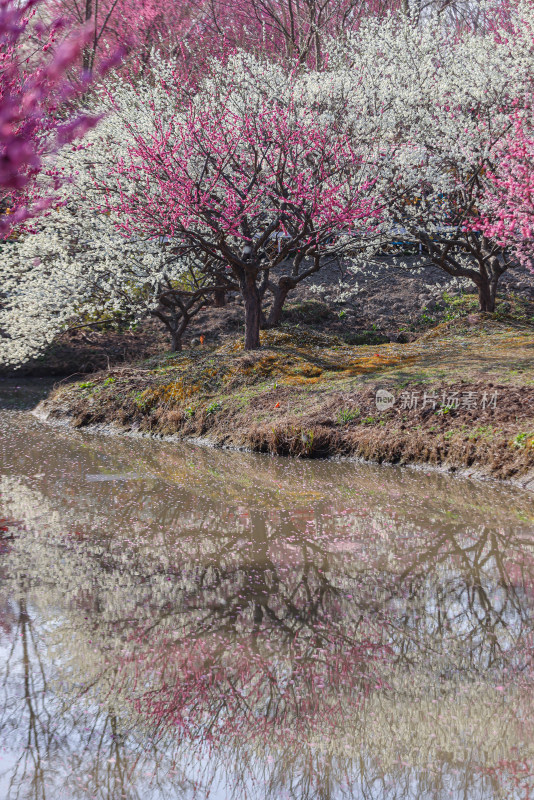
(422, 107)
(441, 105)
(76, 265)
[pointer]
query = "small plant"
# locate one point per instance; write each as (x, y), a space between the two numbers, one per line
(426, 319)
(141, 401)
(213, 408)
(458, 306)
(523, 440)
(346, 415)
(481, 430)
(307, 440)
(108, 381)
(369, 421)
(189, 412)
(342, 314)
(86, 385)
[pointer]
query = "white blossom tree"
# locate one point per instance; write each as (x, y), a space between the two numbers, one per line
(437, 106)
(75, 269)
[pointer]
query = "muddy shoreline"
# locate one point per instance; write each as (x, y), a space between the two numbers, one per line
(461, 399)
(476, 473)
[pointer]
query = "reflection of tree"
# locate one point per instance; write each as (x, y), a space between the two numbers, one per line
(55, 736)
(325, 651)
(32, 704)
(478, 615)
(262, 647)
(56, 739)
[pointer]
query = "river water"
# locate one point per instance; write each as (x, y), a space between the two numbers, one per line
(183, 623)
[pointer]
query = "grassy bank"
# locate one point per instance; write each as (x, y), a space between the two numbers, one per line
(463, 392)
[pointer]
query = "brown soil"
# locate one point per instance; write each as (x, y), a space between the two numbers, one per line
(464, 397)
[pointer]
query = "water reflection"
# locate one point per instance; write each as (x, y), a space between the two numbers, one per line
(220, 625)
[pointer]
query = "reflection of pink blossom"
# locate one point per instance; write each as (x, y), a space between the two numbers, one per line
(211, 688)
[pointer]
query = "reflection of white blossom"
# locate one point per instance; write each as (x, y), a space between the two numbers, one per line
(129, 619)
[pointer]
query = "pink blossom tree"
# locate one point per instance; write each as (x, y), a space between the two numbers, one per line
(269, 194)
(507, 213)
(36, 115)
(137, 26)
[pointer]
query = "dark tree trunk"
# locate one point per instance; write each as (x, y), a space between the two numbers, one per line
(176, 341)
(487, 292)
(177, 332)
(252, 299)
(490, 271)
(87, 55)
(280, 294)
(219, 298)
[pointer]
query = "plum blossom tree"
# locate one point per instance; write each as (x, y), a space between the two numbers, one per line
(507, 208)
(265, 189)
(294, 29)
(256, 194)
(178, 302)
(74, 269)
(259, 175)
(139, 27)
(297, 31)
(290, 30)
(36, 117)
(445, 103)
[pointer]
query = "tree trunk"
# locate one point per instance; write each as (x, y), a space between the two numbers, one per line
(279, 297)
(487, 291)
(87, 57)
(176, 341)
(219, 298)
(252, 299)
